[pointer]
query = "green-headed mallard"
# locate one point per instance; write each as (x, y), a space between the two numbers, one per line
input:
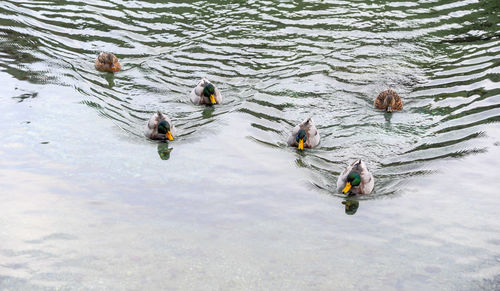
(304, 135)
(356, 179)
(107, 62)
(160, 127)
(206, 93)
(388, 100)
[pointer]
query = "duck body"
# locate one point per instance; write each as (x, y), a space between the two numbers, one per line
(388, 100)
(305, 128)
(205, 93)
(107, 62)
(356, 179)
(160, 127)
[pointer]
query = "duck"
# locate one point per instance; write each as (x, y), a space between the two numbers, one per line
(304, 135)
(356, 179)
(160, 127)
(205, 93)
(107, 62)
(388, 100)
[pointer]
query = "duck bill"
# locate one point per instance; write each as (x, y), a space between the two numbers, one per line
(301, 144)
(169, 135)
(212, 99)
(389, 108)
(347, 187)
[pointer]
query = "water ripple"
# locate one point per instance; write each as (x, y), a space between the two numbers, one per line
(276, 64)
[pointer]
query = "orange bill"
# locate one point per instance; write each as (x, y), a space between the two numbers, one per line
(301, 144)
(212, 99)
(347, 187)
(169, 135)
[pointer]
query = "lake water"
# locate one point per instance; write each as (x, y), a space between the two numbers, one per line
(86, 202)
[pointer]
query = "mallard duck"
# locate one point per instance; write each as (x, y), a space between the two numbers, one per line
(107, 62)
(304, 135)
(160, 127)
(356, 179)
(206, 93)
(388, 100)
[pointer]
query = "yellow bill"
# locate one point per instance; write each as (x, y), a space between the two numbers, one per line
(169, 135)
(301, 144)
(212, 99)
(347, 187)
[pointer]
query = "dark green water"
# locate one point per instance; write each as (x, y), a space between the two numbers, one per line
(87, 203)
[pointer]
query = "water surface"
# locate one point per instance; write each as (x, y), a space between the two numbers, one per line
(87, 202)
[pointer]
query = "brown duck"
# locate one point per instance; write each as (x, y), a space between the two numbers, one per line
(107, 62)
(388, 100)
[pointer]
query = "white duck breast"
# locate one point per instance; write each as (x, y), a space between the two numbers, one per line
(312, 134)
(151, 130)
(197, 93)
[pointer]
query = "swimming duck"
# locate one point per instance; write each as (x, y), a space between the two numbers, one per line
(160, 127)
(388, 100)
(206, 93)
(356, 179)
(304, 135)
(107, 62)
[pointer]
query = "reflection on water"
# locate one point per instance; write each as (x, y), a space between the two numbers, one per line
(388, 117)
(207, 112)
(164, 151)
(351, 206)
(110, 77)
(232, 175)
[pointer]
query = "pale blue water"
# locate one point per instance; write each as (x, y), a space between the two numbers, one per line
(87, 203)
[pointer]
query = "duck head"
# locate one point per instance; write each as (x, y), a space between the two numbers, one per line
(353, 180)
(389, 102)
(209, 92)
(164, 128)
(107, 59)
(110, 60)
(301, 138)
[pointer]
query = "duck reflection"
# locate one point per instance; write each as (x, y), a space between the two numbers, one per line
(388, 116)
(207, 112)
(110, 77)
(164, 151)
(351, 206)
